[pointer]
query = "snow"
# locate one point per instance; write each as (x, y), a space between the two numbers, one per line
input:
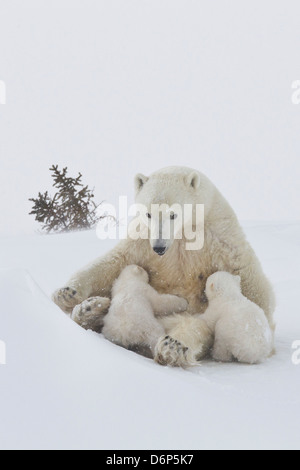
(65, 388)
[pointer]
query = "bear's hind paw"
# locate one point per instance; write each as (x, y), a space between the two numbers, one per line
(91, 312)
(66, 298)
(171, 352)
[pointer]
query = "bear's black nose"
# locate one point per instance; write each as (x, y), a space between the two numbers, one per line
(160, 250)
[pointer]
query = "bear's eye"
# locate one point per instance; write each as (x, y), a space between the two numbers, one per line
(173, 216)
(148, 215)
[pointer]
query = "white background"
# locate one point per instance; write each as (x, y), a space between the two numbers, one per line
(112, 88)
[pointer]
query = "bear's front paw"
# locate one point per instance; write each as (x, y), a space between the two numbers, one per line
(90, 313)
(66, 298)
(171, 352)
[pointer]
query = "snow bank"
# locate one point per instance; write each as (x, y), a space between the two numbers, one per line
(63, 387)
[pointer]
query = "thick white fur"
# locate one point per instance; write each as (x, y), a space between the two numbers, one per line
(240, 327)
(179, 272)
(131, 318)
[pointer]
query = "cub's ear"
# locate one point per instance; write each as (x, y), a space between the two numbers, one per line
(193, 180)
(212, 287)
(139, 181)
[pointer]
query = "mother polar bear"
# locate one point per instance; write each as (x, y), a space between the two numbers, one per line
(173, 267)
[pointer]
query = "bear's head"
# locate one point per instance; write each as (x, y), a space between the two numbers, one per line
(168, 202)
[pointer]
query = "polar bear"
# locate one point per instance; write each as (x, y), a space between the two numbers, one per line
(172, 268)
(241, 329)
(135, 302)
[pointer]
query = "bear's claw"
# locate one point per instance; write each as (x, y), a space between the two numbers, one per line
(171, 352)
(66, 298)
(91, 312)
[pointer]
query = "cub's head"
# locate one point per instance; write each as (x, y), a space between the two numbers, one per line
(222, 284)
(134, 272)
(166, 203)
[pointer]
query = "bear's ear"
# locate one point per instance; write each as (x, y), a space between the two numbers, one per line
(238, 280)
(212, 287)
(139, 181)
(193, 180)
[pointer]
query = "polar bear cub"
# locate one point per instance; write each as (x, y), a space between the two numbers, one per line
(131, 318)
(241, 328)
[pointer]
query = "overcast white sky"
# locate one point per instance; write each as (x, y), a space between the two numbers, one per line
(112, 88)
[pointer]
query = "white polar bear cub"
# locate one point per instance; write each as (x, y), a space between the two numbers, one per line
(131, 318)
(241, 328)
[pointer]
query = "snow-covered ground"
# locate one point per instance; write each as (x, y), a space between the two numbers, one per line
(63, 387)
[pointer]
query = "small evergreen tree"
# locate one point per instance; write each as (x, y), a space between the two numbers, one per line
(71, 208)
